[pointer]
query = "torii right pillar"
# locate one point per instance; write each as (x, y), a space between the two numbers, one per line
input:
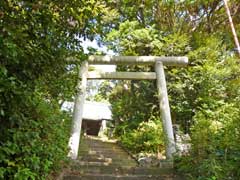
(165, 110)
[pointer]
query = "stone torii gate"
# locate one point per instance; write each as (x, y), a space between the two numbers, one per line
(159, 75)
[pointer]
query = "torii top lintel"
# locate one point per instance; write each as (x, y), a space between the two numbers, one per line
(140, 60)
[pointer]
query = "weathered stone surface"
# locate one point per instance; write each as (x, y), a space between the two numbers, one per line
(116, 177)
(100, 160)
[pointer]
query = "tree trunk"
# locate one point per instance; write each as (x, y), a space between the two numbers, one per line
(232, 27)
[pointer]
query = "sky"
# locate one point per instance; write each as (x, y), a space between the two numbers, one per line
(93, 85)
(106, 68)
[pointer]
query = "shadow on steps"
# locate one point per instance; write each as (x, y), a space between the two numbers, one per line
(99, 160)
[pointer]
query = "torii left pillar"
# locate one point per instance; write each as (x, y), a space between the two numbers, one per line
(78, 111)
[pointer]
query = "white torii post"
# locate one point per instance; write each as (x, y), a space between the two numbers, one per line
(78, 111)
(165, 110)
(139, 60)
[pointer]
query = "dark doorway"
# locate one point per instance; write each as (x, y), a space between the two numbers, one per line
(91, 127)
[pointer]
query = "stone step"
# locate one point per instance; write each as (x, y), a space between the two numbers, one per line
(102, 149)
(106, 157)
(104, 163)
(106, 148)
(98, 154)
(100, 157)
(107, 161)
(88, 164)
(117, 177)
(104, 154)
(100, 143)
(119, 169)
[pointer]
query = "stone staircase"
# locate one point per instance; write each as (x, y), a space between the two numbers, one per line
(99, 160)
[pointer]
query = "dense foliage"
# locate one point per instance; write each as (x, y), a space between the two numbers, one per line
(215, 122)
(36, 37)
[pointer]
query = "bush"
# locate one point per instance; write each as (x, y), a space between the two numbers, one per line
(215, 145)
(148, 137)
(38, 146)
(215, 106)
